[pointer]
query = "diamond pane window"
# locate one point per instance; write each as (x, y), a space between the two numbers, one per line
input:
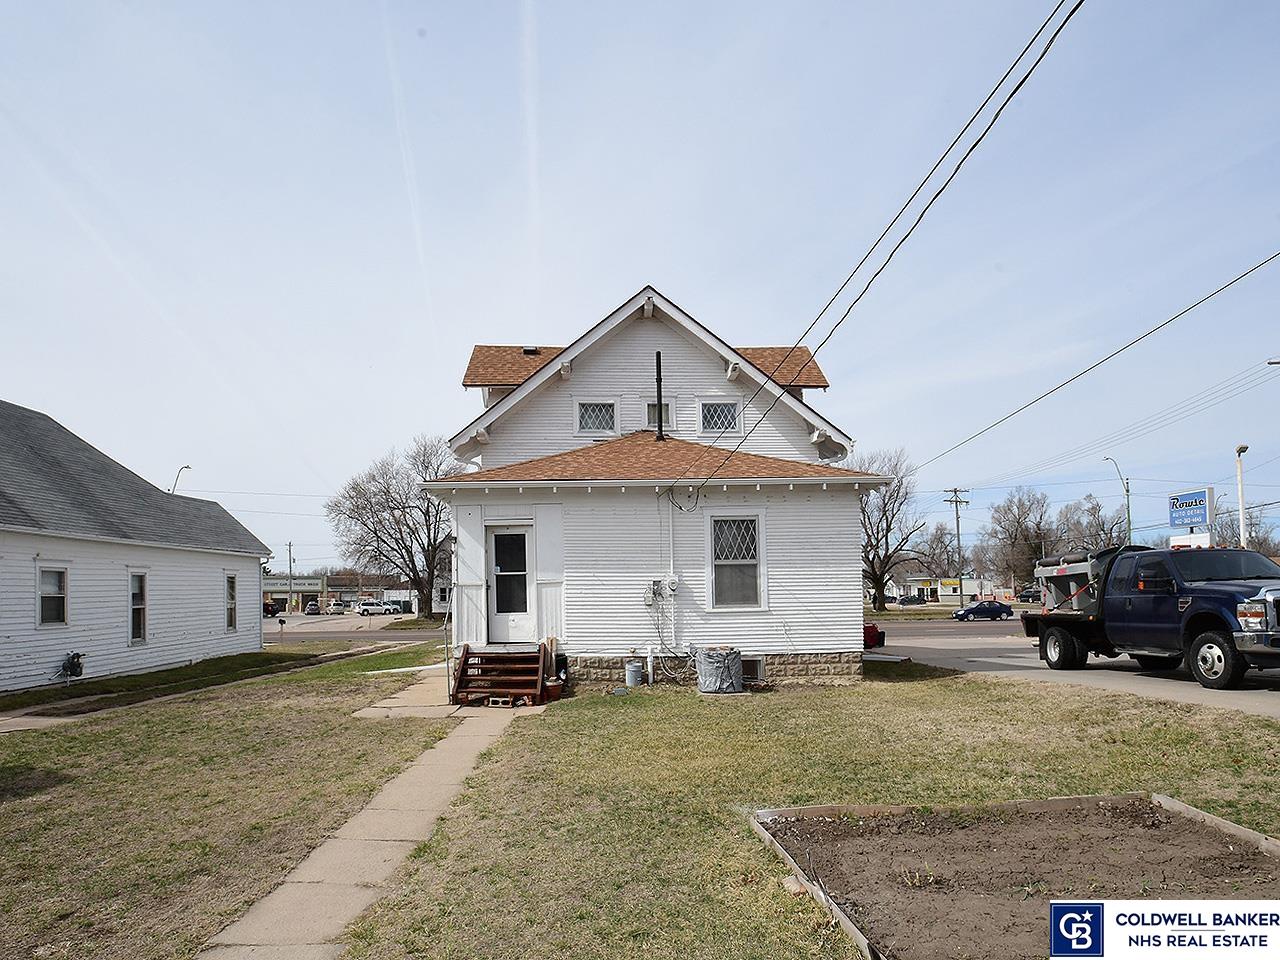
(735, 562)
(719, 416)
(595, 417)
(734, 539)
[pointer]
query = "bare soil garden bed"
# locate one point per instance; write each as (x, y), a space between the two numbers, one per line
(971, 883)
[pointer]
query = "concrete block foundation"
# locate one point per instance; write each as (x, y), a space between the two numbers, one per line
(779, 668)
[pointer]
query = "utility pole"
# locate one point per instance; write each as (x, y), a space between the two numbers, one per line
(955, 499)
(288, 607)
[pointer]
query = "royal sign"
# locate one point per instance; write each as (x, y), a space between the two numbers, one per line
(1191, 509)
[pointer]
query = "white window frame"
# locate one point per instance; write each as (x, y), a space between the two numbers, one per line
(65, 570)
(669, 402)
(762, 568)
(230, 605)
(737, 427)
(146, 604)
(577, 416)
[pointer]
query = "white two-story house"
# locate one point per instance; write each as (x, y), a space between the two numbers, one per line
(585, 526)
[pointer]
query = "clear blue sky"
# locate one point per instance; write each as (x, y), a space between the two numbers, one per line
(219, 222)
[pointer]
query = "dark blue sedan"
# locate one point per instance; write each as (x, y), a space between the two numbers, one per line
(984, 610)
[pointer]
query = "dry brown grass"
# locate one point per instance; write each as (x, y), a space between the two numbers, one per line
(613, 827)
(138, 834)
(318, 642)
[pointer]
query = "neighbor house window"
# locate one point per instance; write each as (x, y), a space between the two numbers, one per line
(735, 558)
(596, 417)
(719, 415)
(231, 603)
(651, 415)
(53, 595)
(137, 608)
(442, 594)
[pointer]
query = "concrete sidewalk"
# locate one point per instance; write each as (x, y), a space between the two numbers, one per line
(305, 917)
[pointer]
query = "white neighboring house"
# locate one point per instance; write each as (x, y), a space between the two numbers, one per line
(946, 590)
(891, 589)
(584, 528)
(409, 598)
(95, 560)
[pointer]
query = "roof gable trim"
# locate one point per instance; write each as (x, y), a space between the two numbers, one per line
(622, 313)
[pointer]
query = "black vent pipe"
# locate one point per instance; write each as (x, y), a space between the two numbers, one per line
(657, 365)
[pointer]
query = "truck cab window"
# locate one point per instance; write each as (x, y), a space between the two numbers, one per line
(1152, 570)
(1122, 575)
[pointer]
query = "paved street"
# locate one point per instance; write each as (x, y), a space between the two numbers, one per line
(1000, 649)
(339, 623)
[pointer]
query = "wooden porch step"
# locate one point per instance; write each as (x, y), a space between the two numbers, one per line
(482, 674)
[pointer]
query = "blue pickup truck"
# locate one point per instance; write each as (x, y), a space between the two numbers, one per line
(1216, 610)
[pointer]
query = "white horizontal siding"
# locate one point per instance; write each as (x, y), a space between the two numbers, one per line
(185, 608)
(621, 368)
(615, 544)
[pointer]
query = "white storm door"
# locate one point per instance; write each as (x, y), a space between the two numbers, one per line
(510, 589)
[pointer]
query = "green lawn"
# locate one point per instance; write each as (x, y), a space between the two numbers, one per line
(934, 612)
(414, 623)
(137, 834)
(614, 827)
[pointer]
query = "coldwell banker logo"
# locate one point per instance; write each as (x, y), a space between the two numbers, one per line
(1075, 929)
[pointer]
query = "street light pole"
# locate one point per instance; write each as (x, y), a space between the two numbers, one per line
(1244, 533)
(1128, 511)
(178, 475)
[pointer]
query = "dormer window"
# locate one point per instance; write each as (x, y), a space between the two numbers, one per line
(597, 417)
(651, 415)
(719, 415)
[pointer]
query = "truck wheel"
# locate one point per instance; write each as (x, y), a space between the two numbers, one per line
(1148, 662)
(1062, 651)
(1215, 662)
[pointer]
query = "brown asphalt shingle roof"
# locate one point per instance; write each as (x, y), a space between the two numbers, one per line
(493, 365)
(800, 364)
(505, 366)
(639, 456)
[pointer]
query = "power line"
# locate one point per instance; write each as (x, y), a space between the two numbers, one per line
(275, 513)
(263, 493)
(912, 228)
(1093, 366)
(896, 217)
(1252, 377)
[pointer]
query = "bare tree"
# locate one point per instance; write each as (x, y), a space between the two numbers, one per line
(1086, 525)
(889, 518)
(385, 523)
(936, 551)
(1020, 532)
(1226, 527)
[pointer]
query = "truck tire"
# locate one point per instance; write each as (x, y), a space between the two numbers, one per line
(1150, 662)
(1062, 650)
(1215, 662)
